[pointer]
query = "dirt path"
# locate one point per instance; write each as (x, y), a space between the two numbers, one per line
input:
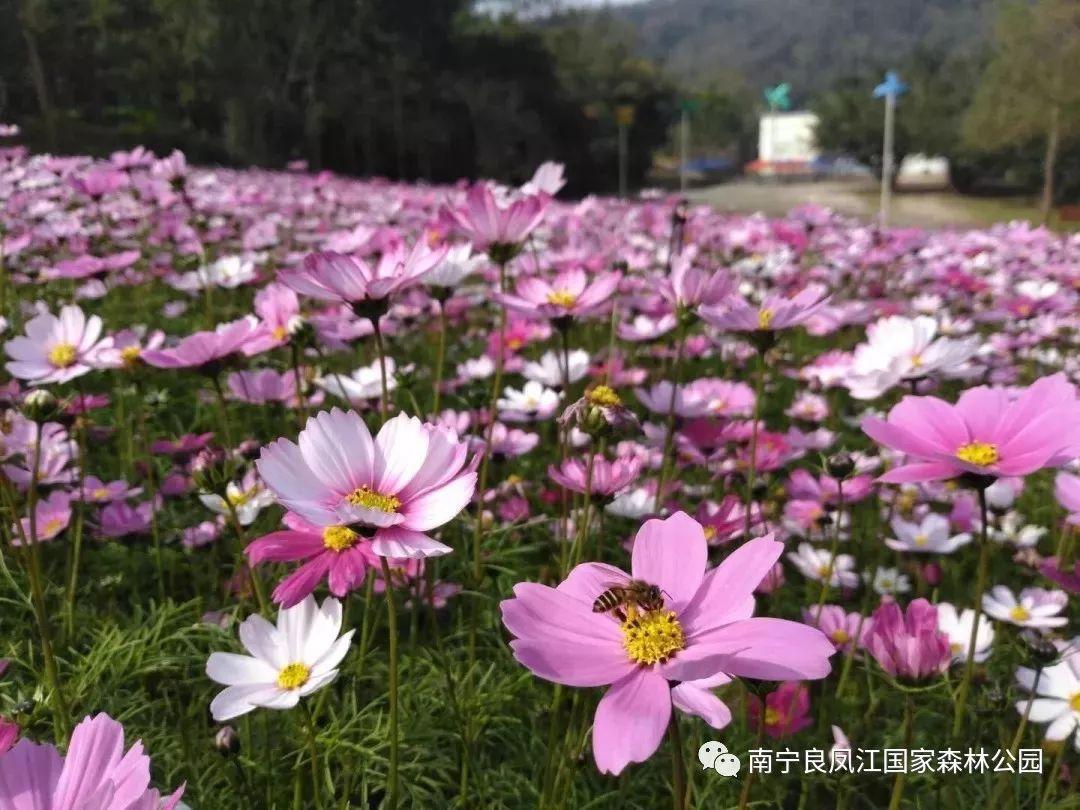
(859, 199)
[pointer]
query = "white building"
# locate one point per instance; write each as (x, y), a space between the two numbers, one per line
(921, 171)
(787, 137)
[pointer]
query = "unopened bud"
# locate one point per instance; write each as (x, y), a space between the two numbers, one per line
(227, 741)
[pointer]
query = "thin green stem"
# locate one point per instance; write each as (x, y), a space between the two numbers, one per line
(666, 460)
(392, 686)
(678, 766)
(223, 412)
(751, 471)
(980, 587)
(440, 360)
(901, 775)
(384, 396)
(313, 753)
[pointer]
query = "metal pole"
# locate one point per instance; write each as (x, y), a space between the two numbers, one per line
(887, 159)
(623, 147)
(684, 147)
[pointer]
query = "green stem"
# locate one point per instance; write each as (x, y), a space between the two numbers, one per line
(666, 460)
(751, 471)
(980, 587)
(1053, 775)
(392, 676)
(301, 400)
(384, 396)
(901, 776)
(223, 412)
(77, 534)
(440, 359)
(678, 766)
(61, 719)
(313, 751)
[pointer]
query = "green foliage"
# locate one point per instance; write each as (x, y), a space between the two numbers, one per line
(402, 88)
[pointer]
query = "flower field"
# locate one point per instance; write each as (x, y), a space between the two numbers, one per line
(353, 494)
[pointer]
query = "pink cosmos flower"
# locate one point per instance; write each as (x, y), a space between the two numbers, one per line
(94, 773)
(51, 516)
(94, 490)
(127, 348)
(278, 309)
(908, 646)
(842, 628)
(56, 349)
(344, 279)
(775, 312)
(570, 294)
(336, 553)
(487, 223)
(703, 631)
(266, 385)
(119, 519)
(986, 433)
(690, 287)
(607, 477)
(408, 480)
(201, 349)
(786, 710)
(726, 521)
(1067, 492)
(97, 182)
(9, 733)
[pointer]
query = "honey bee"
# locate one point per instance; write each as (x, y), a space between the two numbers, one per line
(632, 595)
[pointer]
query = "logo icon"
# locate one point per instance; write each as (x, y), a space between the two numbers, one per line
(715, 755)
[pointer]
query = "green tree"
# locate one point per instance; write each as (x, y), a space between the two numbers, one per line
(1029, 91)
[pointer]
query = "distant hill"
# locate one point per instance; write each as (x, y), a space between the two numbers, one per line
(808, 43)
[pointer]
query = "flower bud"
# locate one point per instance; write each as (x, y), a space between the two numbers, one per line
(840, 465)
(40, 406)
(227, 741)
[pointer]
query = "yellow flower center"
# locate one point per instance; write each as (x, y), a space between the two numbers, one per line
(514, 343)
(1074, 702)
(280, 332)
(240, 498)
(921, 540)
(52, 526)
(514, 479)
(653, 637)
(710, 532)
(370, 499)
(840, 636)
(63, 355)
(825, 571)
(916, 361)
(764, 318)
(772, 717)
(100, 493)
(956, 648)
(605, 396)
(980, 454)
(130, 355)
(339, 538)
(1019, 614)
(293, 676)
(562, 298)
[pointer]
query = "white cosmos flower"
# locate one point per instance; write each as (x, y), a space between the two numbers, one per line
(1056, 698)
(479, 368)
(957, 626)
(1012, 529)
(899, 349)
(549, 370)
(933, 535)
(287, 662)
(533, 401)
(889, 582)
(458, 263)
(361, 385)
(248, 498)
(818, 565)
(633, 503)
(1036, 607)
(228, 272)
